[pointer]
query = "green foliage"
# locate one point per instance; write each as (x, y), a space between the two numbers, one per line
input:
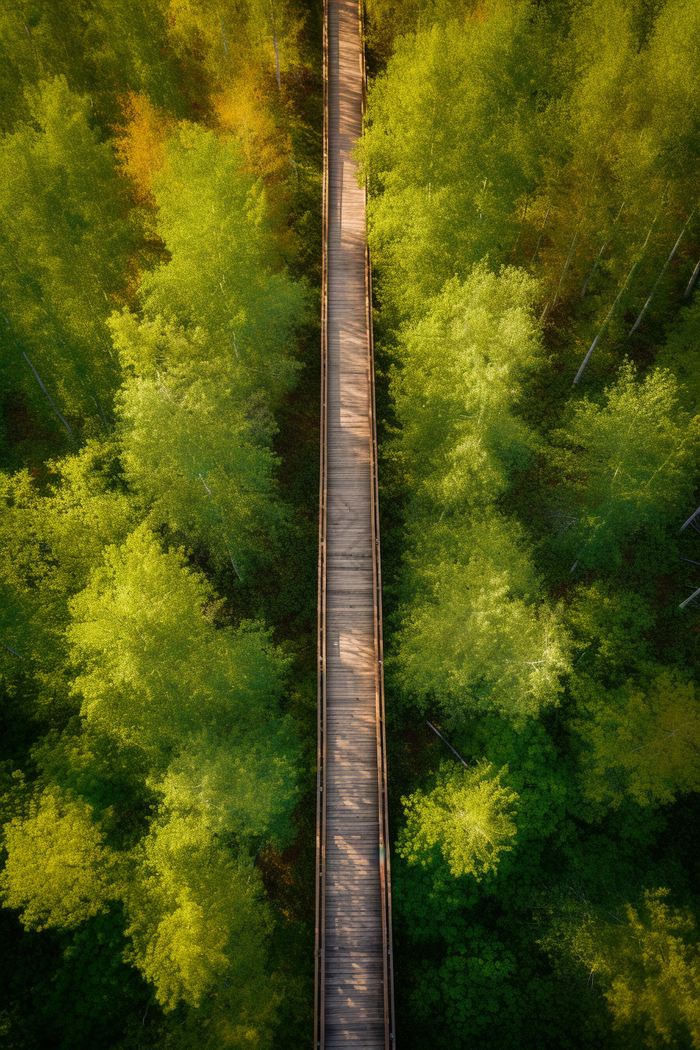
(210, 353)
(65, 252)
(221, 37)
(559, 137)
(131, 829)
(646, 961)
(543, 158)
(476, 592)
(613, 627)
(643, 741)
(385, 20)
(247, 790)
(655, 973)
(53, 531)
(458, 390)
(100, 46)
(58, 871)
(626, 463)
(196, 449)
(192, 911)
(453, 141)
(678, 355)
(469, 577)
(105, 773)
(152, 666)
(468, 815)
(212, 218)
(473, 989)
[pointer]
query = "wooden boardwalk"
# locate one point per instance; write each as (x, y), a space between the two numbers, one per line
(354, 981)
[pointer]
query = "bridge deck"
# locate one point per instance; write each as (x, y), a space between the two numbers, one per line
(354, 994)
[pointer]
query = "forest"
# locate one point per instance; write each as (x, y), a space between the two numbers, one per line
(160, 233)
(536, 243)
(535, 236)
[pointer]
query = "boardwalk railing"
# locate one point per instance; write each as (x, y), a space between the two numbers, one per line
(320, 969)
(384, 839)
(349, 1031)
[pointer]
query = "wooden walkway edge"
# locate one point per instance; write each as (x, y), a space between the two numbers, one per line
(354, 1000)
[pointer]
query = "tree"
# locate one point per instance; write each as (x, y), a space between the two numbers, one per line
(194, 914)
(141, 143)
(653, 968)
(475, 592)
(475, 990)
(53, 531)
(468, 815)
(210, 355)
(102, 47)
(247, 790)
(224, 41)
(65, 252)
(642, 740)
(58, 871)
(196, 445)
(646, 961)
(627, 463)
(459, 387)
(613, 628)
(152, 668)
(386, 21)
(212, 218)
(454, 141)
(104, 773)
(674, 65)
(678, 355)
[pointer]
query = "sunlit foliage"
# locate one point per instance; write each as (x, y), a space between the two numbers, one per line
(626, 463)
(65, 253)
(532, 173)
(643, 741)
(468, 815)
(58, 871)
(151, 666)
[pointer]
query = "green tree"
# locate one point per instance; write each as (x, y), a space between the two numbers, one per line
(58, 871)
(474, 989)
(468, 815)
(104, 773)
(220, 277)
(194, 915)
(653, 965)
(100, 46)
(678, 354)
(459, 387)
(612, 626)
(647, 963)
(385, 20)
(475, 592)
(65, 249)
(210, 356)
(196, 445)
(453, 140)
(247, 790)
(626, 463)
(152, 667)
(53, 531)
(642, 740)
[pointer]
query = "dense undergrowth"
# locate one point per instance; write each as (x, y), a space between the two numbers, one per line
(533, 191)
(160, 233)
